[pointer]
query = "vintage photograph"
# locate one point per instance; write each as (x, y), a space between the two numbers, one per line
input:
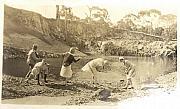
(86, 55)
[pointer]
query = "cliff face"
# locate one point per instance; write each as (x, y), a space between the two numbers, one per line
(25, 19)
(24, 28)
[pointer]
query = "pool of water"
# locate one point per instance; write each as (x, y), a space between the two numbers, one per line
(152, 67)
(19, 68)
(146, 67)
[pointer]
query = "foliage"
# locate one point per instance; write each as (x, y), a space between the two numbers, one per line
(152, 22)
(170, 32)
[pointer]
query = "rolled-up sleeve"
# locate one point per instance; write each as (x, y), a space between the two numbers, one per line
(34, 57)
(75, 59)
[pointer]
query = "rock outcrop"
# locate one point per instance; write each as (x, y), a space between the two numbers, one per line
(139, 48)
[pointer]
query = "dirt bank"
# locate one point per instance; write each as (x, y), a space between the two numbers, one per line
(77, 92)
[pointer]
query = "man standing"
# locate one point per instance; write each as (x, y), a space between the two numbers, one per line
(32, 60)
(130, 72)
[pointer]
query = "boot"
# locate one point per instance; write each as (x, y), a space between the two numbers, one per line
(130, 84)
(126, 86)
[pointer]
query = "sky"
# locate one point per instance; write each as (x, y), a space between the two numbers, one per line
(116, 8)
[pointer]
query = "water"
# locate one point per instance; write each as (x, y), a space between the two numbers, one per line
(146, 67)
(19, 68)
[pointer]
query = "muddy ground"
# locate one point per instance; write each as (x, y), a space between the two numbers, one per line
(80, 92)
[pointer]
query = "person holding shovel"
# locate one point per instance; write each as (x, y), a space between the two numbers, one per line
(32, 59)
(130, 72)
(68, 59)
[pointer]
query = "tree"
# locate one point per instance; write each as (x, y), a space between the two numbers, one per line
(127, 24)
(97, 21)
(65, 12)
(96, 12)
(143, 13)
(170, 32)
(155, 11)
(158, 31)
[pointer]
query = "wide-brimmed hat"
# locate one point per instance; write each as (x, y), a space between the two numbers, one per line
(73, 49)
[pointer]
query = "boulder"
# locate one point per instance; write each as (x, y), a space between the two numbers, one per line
(103, 94)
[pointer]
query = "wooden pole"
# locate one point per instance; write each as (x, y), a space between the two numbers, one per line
(65, 23)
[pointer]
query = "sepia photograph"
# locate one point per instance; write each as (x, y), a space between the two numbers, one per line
(88, 53)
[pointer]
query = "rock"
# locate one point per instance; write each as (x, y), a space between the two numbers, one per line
(102, 94)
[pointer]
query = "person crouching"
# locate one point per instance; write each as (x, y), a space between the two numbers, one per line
(93, 65)
(130, 72)
(39, 68)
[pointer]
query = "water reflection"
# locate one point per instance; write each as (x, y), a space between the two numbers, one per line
(151, 67)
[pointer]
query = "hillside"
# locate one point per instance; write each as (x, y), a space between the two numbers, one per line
(24, 28)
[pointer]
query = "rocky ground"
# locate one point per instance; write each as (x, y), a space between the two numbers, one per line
(80, 92)
(163, 95)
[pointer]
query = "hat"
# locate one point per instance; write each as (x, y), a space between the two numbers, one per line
(121, 58)
(71, 49)
(34, 46)
(105, 61)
